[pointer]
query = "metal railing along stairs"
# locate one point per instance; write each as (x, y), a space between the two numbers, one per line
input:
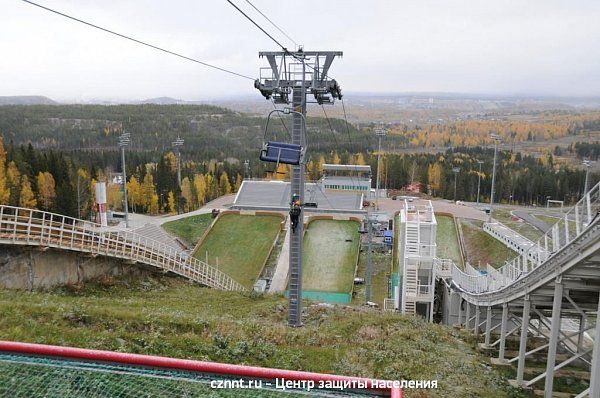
(22, 226)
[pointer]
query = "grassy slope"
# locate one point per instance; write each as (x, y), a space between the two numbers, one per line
(241, 243)
(481, 247)
(447, 239)
(547, 219)
(190, 229)
(171, 317)
(381, 268)
(328, 260)
(523, 228)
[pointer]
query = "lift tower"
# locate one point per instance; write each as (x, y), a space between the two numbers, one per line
(297, 73)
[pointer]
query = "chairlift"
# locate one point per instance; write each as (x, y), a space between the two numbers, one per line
(281, 152)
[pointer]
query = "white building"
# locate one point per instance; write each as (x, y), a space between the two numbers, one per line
(417, 250)
(346, 177)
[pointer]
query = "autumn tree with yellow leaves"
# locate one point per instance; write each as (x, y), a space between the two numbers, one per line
(46, 190)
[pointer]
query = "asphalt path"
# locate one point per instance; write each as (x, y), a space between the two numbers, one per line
(530, 219)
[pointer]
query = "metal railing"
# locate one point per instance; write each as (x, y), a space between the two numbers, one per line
(573, 223)
(424, 290)
(514, 240)
(443, 267)
(39, 228)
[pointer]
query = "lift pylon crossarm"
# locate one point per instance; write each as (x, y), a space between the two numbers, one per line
(282, 75)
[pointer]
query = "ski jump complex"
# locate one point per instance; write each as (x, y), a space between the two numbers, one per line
(549, 290)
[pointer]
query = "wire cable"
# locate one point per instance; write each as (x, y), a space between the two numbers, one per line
(137, 41)
(352, 180)
(330, 127)
(272, 23)
(280, 117)
(285, 50)
(347, 126)
(258, 26)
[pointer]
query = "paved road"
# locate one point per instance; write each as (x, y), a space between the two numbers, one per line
(439, 205)
(139, 220)
(530, 219)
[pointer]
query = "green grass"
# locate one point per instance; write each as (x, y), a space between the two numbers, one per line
(547, 219)
(189, 229)
(522, 227)
(171, 317)
(379, 280)
(241, 244)
(447, 242)
(482, 248)
(329, 261)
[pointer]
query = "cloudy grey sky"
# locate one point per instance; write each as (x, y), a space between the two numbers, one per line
(543, 47)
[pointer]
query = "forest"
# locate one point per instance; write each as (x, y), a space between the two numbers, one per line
(50, 156)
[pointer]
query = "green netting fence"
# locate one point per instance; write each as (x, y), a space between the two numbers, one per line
(28, 376)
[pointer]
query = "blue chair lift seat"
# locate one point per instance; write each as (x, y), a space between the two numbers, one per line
(281, 152)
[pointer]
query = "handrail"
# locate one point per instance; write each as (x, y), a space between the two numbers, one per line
(573, 224)
(20, 225)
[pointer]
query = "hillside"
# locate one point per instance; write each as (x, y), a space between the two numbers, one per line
(186, 321)
(208, 131)
(26, 100)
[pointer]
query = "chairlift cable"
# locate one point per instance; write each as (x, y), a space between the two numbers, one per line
(136, 40)
(272, 23)
(258, 26)
(280, 117)
(336, 142)
(347, 126)
(284, 48)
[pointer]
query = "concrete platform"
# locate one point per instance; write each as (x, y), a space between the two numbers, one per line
(275, 195)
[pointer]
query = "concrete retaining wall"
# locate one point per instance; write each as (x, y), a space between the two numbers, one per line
(33, 268)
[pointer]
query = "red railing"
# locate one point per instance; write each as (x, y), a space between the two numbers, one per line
(189, 365)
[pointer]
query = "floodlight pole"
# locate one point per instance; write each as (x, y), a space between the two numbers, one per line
(586, 186)
(282, 78)
(496, 139)
(177, 144)
(479, 180)
(124, 140)
(455, 170)
(379, 133)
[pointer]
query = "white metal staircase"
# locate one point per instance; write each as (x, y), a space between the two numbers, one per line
(412, 239)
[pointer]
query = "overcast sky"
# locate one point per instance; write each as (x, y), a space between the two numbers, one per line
(540, 47)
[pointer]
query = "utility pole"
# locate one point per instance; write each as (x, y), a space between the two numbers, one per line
(455, 170)
(379, 133)
(480, 162)
(298, 73)
(124, 140)
(368, 274)
(496, 139)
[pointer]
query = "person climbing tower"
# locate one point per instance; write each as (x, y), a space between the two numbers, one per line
(295, 211)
